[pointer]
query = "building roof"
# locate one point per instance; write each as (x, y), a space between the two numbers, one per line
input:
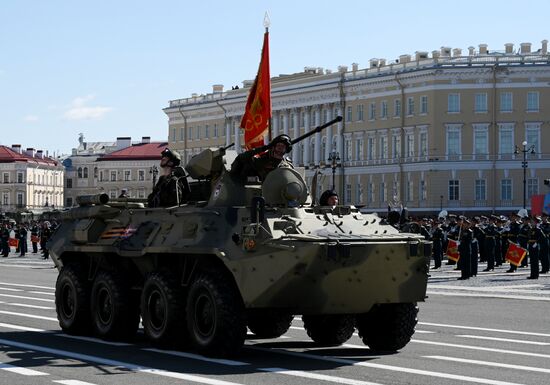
(139, 151)
(7, 155)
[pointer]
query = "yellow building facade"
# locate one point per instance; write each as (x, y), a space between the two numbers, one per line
(464, 132)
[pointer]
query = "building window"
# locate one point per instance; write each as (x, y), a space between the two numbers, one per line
(173, 134)
(347, 152)
(85, 172)
(358, 193)
(216, 133)
(453, 103)
(370, 193)
(481, 142)
(198, 132)
(19, 199)
(359, 149)
(506, 102)
(101, 176)
(127, 175)
(423, 193)
(454, 190)
(382, 192)
(383, 147)
(360, 113)
(112, 194)
(370, 148)
(95, 172)
(409, 191)
(141, 175)
(423, 145)
(372, 111)
(349, 114)
(453, 142)
(424, 104)
(532, 135)
(19, 177)
(6, 177)
(384, 109)
(410, 106)
(506, 189)
(69, 183)
(189, 133)
(409, 145)
(506, 139)
(533, 101)
(532, 187)
(113, 176)
(79, 172)
(396, 146)
(141, 193)
(69, 202)
(480, 193)
(5, 199)
(206, 131)
(480, 104)
(348, 193)
(397, 107)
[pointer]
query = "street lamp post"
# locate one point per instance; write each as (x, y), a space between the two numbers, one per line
(525, 151)
(154, 170)
(334, 158)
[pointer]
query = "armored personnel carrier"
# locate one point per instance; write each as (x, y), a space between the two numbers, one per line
(236, 255)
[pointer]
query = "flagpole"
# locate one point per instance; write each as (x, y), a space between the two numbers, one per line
(267, 23)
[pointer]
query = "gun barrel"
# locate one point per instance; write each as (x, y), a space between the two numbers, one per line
(98, 199)
(317, 129)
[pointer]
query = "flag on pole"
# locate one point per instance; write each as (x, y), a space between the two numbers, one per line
(515, 253)
(452, 250)
(257, 112)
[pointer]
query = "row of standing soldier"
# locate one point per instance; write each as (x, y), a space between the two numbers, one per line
(486, 239)
(40, 232)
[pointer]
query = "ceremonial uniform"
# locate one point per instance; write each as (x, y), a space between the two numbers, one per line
(489, 244)
(465, 250)
(437, 248)
(535, 238)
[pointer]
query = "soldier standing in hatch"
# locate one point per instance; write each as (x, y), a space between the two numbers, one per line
(172, 188)
(261, 161)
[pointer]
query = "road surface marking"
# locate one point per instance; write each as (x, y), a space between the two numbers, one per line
(10, 289)
(72, 382)
(18, 327)
(41, 292)
(28, 315)
(488, 295)
(386, 367)
(197, 357)
(315, 376)
(503, 340)
(92, 339)
(485, 329)
(518, 353)
(26, 305)
(488, 363)
(115, 363)
(19, 370)
(23, 297)
(24, 285)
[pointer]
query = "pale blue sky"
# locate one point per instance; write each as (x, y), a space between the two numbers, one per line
(108, 68)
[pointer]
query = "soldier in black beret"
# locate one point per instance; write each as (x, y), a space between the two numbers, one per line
(172, 188)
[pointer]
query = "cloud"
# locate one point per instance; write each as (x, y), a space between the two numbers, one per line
(30, 118)
(80, 110)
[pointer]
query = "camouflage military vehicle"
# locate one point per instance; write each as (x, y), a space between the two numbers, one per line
(236, 256)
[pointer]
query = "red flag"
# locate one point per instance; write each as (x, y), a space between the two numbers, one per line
(515, 253)
(13, 242)
(257, 112)
(452, 250)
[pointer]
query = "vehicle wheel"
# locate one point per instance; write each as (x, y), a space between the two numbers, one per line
(163, 309)
(215, 315)
(72, 301)
(329, 330)
(115, 312)
(269, 324)
(388, 327)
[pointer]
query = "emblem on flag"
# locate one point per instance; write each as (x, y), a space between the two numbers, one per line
(452, 250)
(515, 253)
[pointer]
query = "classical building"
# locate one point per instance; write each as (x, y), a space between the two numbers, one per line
(31, 182)
(110, 167)
(442, 130)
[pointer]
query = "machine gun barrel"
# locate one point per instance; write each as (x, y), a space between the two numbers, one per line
(97, 199)
(317, 129)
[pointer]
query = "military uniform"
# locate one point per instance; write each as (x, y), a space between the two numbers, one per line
(465, 250)
(170, 190)
(437, 239)
(248, 164)
(4, 238)
(545, 248)
(489, 244)
(534, 239)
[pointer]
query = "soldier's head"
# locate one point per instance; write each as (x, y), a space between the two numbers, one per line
(169, 158)
(329, 198)
(280, 146)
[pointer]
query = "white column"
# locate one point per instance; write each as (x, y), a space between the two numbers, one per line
(295, 134)
(317, 157)
(339, 143)
(275, 123)
(227, 132)
(305, 155)
(328, 133)
(285, 121)
(237, 133)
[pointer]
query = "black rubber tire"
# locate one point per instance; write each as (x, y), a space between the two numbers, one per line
(72, 301)
(115, 310)
(163, 310)
(269, 324)
(216, 322)
(329, 330)
(388, 327)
